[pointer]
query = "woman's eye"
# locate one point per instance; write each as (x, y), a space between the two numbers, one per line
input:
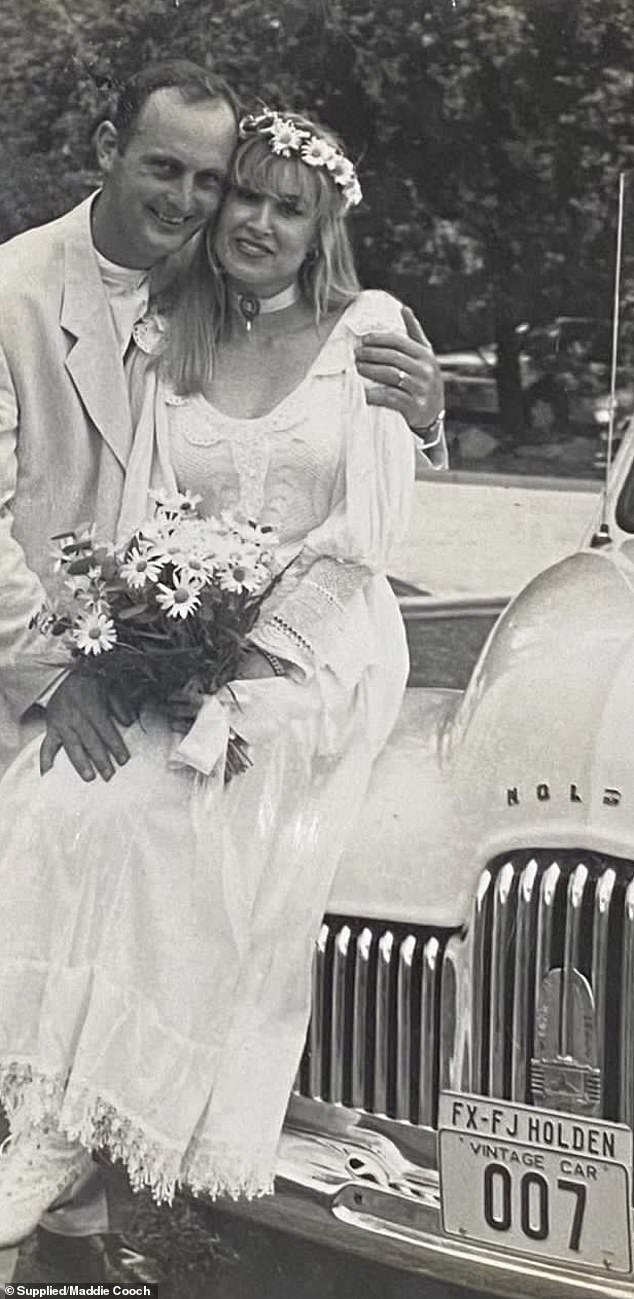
(290, 207)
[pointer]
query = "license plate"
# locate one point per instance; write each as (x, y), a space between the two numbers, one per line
(536, 1181)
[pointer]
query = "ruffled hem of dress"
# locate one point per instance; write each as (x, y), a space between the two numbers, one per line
(31, 1098)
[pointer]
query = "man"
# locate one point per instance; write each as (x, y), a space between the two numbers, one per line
(71, 292)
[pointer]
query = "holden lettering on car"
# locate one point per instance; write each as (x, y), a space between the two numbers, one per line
(544, 792)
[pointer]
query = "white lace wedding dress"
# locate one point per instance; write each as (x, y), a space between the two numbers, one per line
(156, 932)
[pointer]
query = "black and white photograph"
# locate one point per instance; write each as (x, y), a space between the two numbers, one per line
(317, 648)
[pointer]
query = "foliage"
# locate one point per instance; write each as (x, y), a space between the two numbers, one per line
(489, 132)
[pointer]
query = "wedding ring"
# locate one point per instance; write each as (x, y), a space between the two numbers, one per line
(402, 375)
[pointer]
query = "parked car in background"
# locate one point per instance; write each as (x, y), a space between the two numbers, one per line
(565, 376)
(465, 1104)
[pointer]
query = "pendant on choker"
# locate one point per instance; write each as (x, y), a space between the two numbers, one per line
(250, 306)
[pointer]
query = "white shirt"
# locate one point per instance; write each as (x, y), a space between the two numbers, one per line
(127, 290)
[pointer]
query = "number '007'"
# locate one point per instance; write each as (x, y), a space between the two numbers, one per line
(534, 1203)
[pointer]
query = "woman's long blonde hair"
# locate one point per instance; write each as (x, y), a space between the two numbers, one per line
(199, 317)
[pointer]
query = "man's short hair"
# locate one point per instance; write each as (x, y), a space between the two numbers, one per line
(193, 82)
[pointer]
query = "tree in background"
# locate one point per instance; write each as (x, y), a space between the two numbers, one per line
(489, 133)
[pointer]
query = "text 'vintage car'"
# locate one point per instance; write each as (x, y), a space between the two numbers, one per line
(465, 1104)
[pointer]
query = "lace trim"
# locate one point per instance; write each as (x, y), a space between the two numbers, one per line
(229, 1173)
(174, 398)
(292, 634)
(149, 333)
(325, 593)
(251, 459)
(31, 1097)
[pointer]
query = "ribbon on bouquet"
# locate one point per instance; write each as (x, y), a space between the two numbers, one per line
(206, 741)
(255, 709)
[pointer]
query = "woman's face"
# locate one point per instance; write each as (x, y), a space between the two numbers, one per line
(262, 238)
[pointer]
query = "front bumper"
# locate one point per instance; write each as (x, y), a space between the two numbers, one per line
(370, 1187)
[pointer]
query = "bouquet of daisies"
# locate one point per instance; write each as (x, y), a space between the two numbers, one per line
(169, 611)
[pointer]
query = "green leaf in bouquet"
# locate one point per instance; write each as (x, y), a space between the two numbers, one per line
(133, 611)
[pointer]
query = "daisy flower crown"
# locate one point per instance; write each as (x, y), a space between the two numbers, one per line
(285, 138)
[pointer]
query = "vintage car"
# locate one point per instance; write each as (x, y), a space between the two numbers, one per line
(564, 371)
(465, 1105)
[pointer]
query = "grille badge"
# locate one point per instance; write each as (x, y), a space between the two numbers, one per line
(564, 1074)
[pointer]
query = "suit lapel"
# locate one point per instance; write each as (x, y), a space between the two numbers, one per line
(94, 361)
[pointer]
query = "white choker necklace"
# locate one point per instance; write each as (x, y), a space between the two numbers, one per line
(250, 306)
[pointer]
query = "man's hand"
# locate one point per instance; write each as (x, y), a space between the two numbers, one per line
(254, 664)
(80, 718)
(183, 707)
(407, 371)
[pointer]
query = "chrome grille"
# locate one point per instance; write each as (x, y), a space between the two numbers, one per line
(560, 915)
(373, 1036)
(377, 1041)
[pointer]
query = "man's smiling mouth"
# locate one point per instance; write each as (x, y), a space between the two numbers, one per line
(173, 222)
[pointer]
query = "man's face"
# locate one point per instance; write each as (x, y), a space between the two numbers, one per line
(167, 182)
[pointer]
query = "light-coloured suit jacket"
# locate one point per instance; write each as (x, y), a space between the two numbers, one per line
(65, 436)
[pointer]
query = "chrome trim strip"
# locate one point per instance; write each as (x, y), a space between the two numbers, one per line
(317, 1016)
(479, 948)
(545, 924)
(575, 895)
(382, 1021)
(599, 969)
(522, 990)
(451, 1044)
(338, 1020)
(404, 1026)
(427, 1088)
(363, 952)
(503, 926)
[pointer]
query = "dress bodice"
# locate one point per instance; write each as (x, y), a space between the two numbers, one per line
(280, 469)
(285, 468)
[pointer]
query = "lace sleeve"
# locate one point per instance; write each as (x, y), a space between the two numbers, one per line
(307, 624)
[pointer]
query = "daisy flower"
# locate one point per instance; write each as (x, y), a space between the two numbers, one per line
(94, 632)
(247, 531)
(140, 567)
(185, 502)
(352, 193)
(195, 570)
(286, 137)
(341, 169)
(179, 600)
(316, 152)
(240, 577)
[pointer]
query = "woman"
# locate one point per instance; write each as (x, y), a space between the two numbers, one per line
(156, 932)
